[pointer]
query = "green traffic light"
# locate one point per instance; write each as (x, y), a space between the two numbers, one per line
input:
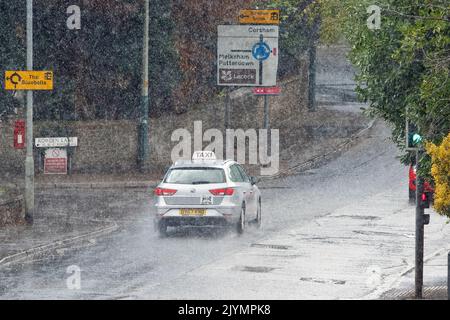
(417, 138)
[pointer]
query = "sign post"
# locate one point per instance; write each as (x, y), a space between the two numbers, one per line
(57, 155)
(266, 91)
(29, 161)
(29, 80)
(143, 127)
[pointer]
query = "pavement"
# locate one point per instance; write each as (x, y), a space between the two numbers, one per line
(435, 280)
(54, 229)
(61, 220)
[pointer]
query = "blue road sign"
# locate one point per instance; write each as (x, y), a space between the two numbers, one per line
(261, 51)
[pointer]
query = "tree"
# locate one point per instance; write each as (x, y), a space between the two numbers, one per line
(299, 26)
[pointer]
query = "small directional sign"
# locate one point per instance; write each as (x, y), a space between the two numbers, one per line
(28, 80)
(270, 91)
(259, 17)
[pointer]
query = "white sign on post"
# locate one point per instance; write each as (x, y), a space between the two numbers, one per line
(247, 55)
(56, 142)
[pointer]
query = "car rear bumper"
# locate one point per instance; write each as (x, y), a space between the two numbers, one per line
(194, 221)
(214, 216)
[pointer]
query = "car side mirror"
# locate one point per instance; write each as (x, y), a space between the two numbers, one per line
(253, 180)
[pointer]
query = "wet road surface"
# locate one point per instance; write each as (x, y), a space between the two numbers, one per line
(134, 259)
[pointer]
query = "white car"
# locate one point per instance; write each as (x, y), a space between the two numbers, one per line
(204, 192)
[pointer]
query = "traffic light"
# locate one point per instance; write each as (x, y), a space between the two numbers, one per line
(413, 138)
(425, 200)
(424, 203)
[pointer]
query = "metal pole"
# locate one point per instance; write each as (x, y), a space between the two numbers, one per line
(143, 124)
(312, 63)
(261, 65)
(419, 231)
(312, 78)
(227, 108)
(267, 123)
(266, 113)
(29, 161)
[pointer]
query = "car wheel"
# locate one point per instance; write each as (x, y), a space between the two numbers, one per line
(412, 196)
(258, 214)
(241, 223)
(162, 229)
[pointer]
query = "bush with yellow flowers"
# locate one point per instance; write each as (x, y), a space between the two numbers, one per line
(440, 170)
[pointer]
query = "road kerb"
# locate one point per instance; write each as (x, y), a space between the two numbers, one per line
(320, 159)
(393, 283)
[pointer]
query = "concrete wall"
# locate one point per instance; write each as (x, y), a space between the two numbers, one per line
(11, 210)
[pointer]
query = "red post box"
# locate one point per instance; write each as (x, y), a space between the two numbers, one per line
(19, 134)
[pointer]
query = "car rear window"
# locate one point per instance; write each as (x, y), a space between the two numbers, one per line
(195, 176)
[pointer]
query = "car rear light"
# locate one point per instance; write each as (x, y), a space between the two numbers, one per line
(222, 192)
(164, 192)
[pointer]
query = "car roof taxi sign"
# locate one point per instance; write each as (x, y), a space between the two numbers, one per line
(204, 155)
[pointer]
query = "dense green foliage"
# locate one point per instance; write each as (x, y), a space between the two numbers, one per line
(403, 68)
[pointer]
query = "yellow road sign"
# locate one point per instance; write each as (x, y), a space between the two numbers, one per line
(28, 80)
(259, 16)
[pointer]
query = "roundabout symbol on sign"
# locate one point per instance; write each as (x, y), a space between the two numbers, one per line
(261, 51)
(15, 79)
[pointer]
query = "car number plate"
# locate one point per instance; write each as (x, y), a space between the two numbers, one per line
(192, 212)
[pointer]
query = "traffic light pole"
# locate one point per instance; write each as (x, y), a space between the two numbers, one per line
(29, 161)
(419, 230)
